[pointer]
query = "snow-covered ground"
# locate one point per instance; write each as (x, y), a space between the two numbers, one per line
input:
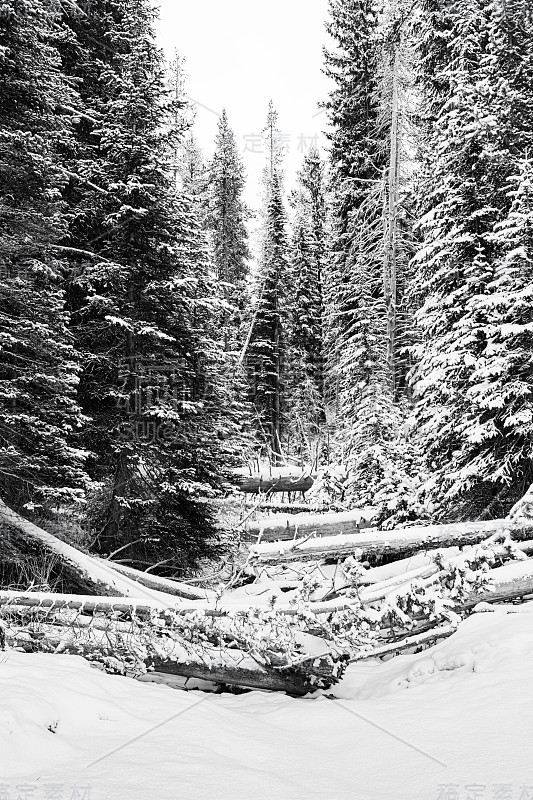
(452, 723)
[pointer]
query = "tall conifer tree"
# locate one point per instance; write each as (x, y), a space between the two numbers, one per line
(41, 460)
(304, 363)
(474, 406)
(143, 305)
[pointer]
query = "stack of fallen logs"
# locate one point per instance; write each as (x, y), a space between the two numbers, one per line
(488, 562)
(314, 601)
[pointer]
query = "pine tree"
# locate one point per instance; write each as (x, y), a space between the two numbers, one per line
(472, 405)
(272, 141)
(41, 460)
(358, 370)
(227, 222)
(143, 305)
(355, 169)
(304, 365)
(193, 176)
(266, 349)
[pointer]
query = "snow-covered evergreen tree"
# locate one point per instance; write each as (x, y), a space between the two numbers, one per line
(474, 406)
(265, 352)
(304, 363)
(359, 383)
(227, 222)
(41, 459)
(144, 307)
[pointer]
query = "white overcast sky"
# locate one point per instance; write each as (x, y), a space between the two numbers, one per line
(239, 55)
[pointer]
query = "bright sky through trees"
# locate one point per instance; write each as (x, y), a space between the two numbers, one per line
(240, 55)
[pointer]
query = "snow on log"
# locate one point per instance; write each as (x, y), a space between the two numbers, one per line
(425, 639)
(512, 581)
(87, 604)
(251, 677)
(237, 670)
(397, 543)
(166, 585)
(255, 484)
(395, 569)
(290, 526)
(87, 574)
(291, 508)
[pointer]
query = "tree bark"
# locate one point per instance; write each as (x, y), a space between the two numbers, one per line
(394, 544)
(330, 524)
(255, 484)
(82, 573)
(86, 604)
(236, 676)
(160, 584)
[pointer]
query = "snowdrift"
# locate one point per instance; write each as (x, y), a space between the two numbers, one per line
(453, 716)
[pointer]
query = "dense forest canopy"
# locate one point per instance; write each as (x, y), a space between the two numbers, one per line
(386, 328)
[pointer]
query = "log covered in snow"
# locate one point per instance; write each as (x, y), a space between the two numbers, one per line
(407, 643)
(61, 628)
(166, 585)
(139, 607)
(330, 524)
(291, 508)
(256, 484)
(511, 581)
(84, 573)
(370, 544)
(251, 677)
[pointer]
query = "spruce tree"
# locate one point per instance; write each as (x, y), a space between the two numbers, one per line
(142, 306)
(227, 222)
(472, 407)
(304, 364)
(193, 176)
(265, 356)
(359, 384)
(41, 459)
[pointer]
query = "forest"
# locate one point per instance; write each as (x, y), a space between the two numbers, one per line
(258, 460)
(385, 327)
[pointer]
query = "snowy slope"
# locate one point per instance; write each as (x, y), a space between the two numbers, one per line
(463, 710)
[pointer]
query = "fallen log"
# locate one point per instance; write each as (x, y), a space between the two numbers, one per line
(328, 524)
(429, 574)
(510, 582)
(292, 508)
(165, 585)
(385, 572)
(251, 678)
(85, 574)
(261, 484)
(416, 640)
(135, 649)
(87, 604)
(371, 544)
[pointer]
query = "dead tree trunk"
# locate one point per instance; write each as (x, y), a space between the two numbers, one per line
(165, 585)
(80, 572)
(369, 545)
(343, 522)
(256, 678)
(256, 484)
